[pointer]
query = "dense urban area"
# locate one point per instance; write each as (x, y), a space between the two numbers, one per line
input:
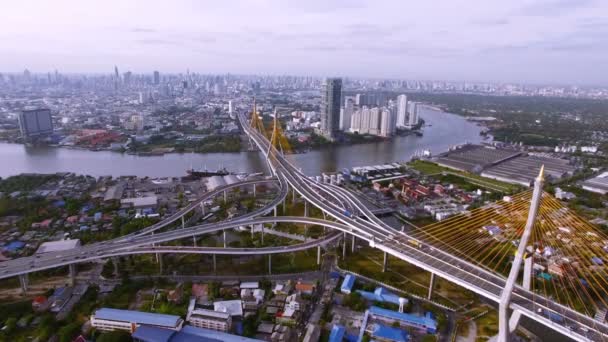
(280, 280)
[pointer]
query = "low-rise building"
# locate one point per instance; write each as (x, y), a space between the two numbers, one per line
(209, 319)
(107, 319)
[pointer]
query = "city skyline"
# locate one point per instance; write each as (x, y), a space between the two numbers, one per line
(547, 42)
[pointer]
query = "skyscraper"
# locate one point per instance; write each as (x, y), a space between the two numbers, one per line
(401, 110)
(156, 77)
(386, 122)
(35, 122)
(347, 113)
(413, 115)
(331, 94)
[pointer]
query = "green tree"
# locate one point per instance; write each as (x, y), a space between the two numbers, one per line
(68, 332)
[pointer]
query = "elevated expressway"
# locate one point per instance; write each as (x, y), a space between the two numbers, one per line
(343, 206)
(147, 244)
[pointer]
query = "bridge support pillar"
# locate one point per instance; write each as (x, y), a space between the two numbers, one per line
(115, 262)
(160, 263)
(516, 315)
(194, 240)
(353, 240)
(385, 262)
(293, 196)
(319, 255)
(269, 264)
(431, 285)
(157, 257)
(344, 246)
(203, 208)
(214, 264)
(225, 196)
(254, 190)
(275, 211)
(24, 281)
(183, 221)
(224, 238)
(262, 229)
(72, 268)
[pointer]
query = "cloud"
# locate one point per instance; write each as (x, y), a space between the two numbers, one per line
(548, 8)
(142, 30)
(154, 41)
(489, 22)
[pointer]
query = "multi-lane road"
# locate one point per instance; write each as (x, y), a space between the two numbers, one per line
(345, 208)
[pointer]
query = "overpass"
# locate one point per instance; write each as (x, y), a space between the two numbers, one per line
(344, 207)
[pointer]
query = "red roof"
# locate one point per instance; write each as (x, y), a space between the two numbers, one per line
(39, 300)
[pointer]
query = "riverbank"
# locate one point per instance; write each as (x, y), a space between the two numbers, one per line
(442, 131)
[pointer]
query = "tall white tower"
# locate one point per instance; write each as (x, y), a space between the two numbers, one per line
(505, 296)
(346, 115)
(401, 110)
(413, 115)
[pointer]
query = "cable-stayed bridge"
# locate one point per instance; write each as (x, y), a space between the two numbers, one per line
(563, 282)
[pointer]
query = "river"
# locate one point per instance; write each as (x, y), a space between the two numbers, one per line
(443, 131)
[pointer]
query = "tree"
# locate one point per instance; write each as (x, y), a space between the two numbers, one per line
(68, 332)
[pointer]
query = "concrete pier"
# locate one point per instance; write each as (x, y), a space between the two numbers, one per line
(72, 274)
(269, 264)
(431, 285)
(344, 246)
(24, 282)
(318, 255)
(385, 262)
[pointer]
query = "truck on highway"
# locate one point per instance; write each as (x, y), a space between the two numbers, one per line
(553, 316)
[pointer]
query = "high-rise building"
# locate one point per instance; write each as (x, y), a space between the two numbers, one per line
(35, 122)
(346, 115)
(386, 122)
(412, 115)
(230, 109)
(401, 110)
(375, 117)
(331, 95)
(156, 77)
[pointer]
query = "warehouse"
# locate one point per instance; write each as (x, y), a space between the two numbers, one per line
(524, 169)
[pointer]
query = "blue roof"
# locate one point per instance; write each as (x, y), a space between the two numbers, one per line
(191, 334)
(138, 317)
(347, 284)
(389, 333)
(380, 295)
(146, 333)
(425, 321)
(14, 245)
(337, 333)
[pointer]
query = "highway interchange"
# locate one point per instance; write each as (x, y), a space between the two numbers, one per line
(351, 217)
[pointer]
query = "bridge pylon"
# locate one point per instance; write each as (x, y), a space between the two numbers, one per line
(507, 292)
(278, 140)
(255, 122)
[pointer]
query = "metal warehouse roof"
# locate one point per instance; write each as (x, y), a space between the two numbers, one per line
(419, 320)
(138, 317)
(153, 334)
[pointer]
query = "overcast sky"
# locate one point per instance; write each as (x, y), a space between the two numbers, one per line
(531, 41)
